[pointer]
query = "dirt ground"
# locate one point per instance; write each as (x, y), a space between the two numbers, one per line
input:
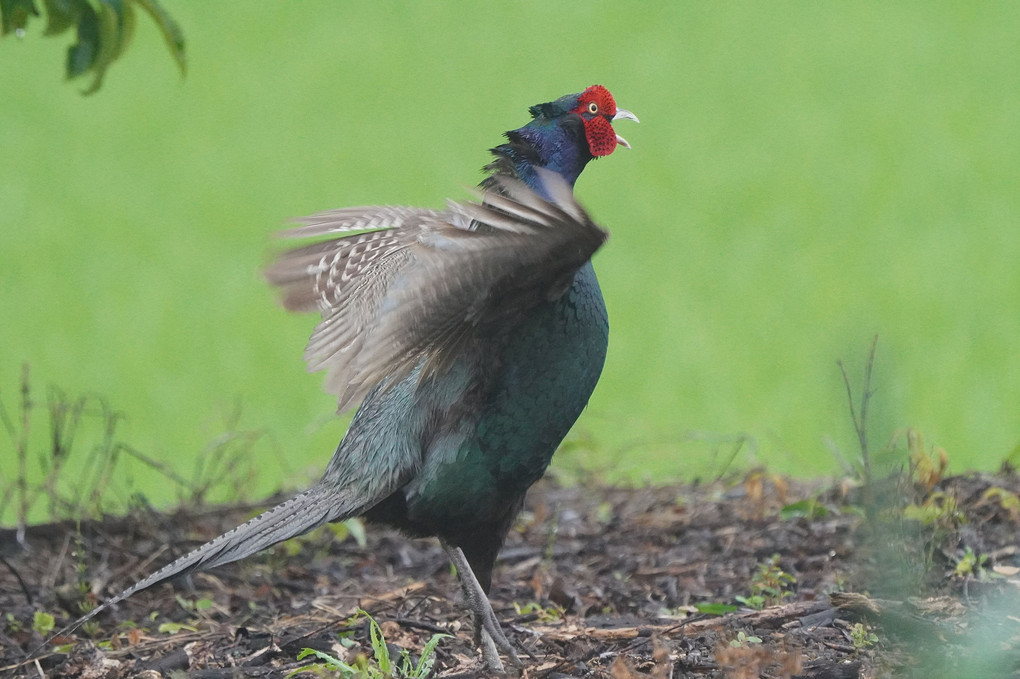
(593, 582)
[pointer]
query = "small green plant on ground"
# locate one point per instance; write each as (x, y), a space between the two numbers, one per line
(862, 637)
(1007, 500)
(809, 508)
(382, 666)
(743, 640)
(13, 624)
(971, 566)
(754, 601)
(175, 627)
(715, 608)
(859, 415)
(550, 613)
(769, 586)
(82, 589)
(940, 514)
(194, 605)
(939, 510)
(43, 623)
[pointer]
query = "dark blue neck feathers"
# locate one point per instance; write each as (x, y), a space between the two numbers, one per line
(554, 139)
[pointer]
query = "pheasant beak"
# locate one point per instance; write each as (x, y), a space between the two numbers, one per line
(624, 114)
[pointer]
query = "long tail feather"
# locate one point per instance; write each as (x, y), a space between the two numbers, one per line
(300, 514)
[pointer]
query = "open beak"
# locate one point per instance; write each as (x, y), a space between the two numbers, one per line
(624, 114)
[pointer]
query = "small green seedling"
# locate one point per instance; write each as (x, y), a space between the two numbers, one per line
(939, 509)
(755, 601)
(383, 668)
(550, 613)
(194, 605)
(862, 637)
(743, 640)
(768, 586)
(43, 623)
(175, 627)
(971, 565)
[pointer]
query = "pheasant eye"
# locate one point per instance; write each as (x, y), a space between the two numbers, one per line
(593, 108)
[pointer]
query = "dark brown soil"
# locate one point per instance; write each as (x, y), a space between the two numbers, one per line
(593, 582)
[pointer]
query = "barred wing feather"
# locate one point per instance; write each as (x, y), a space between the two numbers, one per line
(423, 280)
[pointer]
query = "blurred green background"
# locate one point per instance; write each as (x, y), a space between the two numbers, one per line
(805, 175)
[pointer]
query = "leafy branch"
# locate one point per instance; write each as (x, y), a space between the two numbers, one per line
(103, 28)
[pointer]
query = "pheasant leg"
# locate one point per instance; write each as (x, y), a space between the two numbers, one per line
(488, 632)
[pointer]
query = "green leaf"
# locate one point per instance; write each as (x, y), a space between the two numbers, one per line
(127, 26)
(379, 648)
(171, 31)
(755, 601)
(61, 15)
(82, 54)
(104, 31)
(810, 509)
(109, 41)
(332, 664)
(428, 659)
(42, 622)
(715, 608)
(15, 14)
(743, 638)
(175, 627)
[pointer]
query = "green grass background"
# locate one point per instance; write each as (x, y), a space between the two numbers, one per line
(805, 175)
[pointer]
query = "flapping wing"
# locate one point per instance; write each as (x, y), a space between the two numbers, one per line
(412, 290)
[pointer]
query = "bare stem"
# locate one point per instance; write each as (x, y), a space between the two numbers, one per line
(22, 451)
(860, 416)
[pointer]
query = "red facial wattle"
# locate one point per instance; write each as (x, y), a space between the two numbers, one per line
(600, 135)
(597, 108)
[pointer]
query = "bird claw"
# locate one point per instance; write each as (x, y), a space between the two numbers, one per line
(492, 638)
(489, 636)
(490, 656)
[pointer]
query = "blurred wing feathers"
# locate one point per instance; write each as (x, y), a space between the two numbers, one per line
(425, 281)
(357, 219)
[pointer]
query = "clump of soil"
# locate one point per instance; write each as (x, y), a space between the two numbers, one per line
(757, 577)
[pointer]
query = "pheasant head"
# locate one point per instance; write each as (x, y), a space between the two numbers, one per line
(562, 136)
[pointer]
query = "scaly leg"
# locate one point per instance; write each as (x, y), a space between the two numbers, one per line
(488, 632)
